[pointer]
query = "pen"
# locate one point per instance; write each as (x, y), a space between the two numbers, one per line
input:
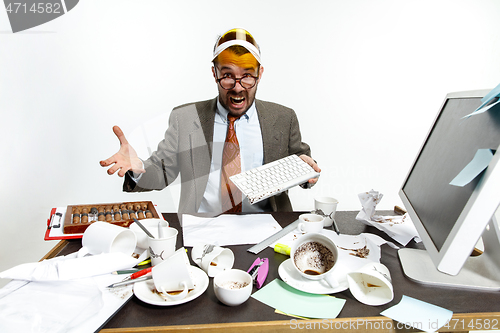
(335, 226)
(139, 274)
(127, 271)
(145, 262)
(143, 228)
(123, 283)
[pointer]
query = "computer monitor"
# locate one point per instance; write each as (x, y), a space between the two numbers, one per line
(451, 219)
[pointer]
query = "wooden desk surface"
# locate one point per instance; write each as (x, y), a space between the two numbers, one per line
(473, 310)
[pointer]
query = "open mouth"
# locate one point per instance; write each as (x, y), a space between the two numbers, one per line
(237, 101)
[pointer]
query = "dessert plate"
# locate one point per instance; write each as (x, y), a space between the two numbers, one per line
(146, 290)
(290, 276)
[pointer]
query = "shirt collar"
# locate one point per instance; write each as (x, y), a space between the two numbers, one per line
(223, 112)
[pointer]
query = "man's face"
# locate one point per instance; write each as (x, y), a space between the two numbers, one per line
(238, 99)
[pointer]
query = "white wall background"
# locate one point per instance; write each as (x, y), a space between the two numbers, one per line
(366, 78)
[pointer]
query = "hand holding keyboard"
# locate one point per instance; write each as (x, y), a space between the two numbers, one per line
(273, 178)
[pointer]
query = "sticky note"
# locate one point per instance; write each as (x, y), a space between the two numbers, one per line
(481, 160)
(418, 314)
(495, 92)
(277, 294)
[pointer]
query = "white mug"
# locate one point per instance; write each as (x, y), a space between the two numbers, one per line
(172, 275)
(310, 223)
(314, 256)
(371, 284)
(103, 237)
(328, 206)
(161, 248)
(212, 259)
(152, 226)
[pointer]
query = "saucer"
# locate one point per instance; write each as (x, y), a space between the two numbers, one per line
(146, 290)
(291, 277)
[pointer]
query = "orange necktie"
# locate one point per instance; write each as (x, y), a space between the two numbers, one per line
(231, 165)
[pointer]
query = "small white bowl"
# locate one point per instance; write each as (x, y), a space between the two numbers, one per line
(233, 287)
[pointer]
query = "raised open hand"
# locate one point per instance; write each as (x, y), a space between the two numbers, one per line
(125, 159)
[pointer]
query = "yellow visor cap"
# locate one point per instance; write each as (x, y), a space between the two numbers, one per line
(246, 60)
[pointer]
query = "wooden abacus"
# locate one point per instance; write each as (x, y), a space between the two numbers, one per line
(79, 217)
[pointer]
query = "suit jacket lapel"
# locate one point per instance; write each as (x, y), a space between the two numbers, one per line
(271, 137)
(206, 114)
(201, 144)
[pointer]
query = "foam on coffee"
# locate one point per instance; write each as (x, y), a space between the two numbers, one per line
(313, 258)
(233, 284)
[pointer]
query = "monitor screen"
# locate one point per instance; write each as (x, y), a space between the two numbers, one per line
(450, 219)
(451, 144)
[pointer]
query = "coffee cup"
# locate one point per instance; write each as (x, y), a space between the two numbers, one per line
(212, 259)
(103, 237)
(171, 276)
(152, 225)
(314, 256)
(233, 287)
(310, 223)
(371, 284)
(328, 207)
(161, 248)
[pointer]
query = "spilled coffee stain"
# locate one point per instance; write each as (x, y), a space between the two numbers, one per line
(361, 253)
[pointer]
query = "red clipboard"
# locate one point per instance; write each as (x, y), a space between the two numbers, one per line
(48, 235)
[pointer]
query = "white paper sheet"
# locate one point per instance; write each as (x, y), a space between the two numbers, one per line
(70, 267)
(75, 306)
(228, 229)
(399, 228)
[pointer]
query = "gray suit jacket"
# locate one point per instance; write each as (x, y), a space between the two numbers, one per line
(187, 150)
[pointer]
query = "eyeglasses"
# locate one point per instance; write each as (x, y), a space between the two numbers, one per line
(228, 82)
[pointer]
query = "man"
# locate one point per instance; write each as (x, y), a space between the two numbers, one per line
(207, 141)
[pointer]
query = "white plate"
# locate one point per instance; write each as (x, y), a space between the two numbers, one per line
(146, 291)
(291, 277)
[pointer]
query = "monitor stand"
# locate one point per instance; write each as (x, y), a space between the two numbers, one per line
(480, 272)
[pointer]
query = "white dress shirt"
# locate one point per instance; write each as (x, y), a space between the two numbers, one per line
(249, 136)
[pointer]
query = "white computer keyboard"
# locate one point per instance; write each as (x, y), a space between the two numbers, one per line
(273, 178)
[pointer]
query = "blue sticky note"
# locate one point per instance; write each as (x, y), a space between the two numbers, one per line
(277, 294)
(480, 162)
(495, 92)
(492, 94)
(418, 314)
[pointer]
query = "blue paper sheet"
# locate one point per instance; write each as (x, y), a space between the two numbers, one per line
(480, 162)
(485, 100)
(418, 314)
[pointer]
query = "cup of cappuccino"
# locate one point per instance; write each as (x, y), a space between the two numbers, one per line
(233, 287)
(314, 256)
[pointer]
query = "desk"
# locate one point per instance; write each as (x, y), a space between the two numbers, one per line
(473, 310)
